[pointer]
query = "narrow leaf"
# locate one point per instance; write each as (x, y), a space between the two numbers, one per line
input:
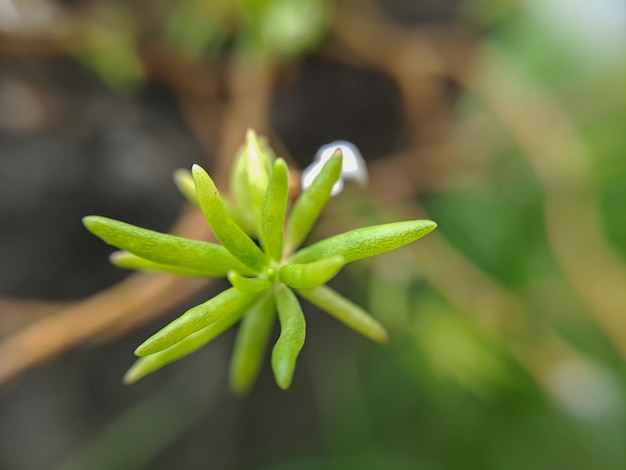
(251, 344)
(148, 364)
(310, 275)
(208, 258)
(226, 230)
(365, 242)
(291, 339)
(194, 319)
(240, 207)
(249, 284)
(307, 208)
(345, 311)
(258, 167)
(242, 217)
(184, 182)
(274, 207)
(123, 259)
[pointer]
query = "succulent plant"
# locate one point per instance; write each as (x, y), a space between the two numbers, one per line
(265, 276)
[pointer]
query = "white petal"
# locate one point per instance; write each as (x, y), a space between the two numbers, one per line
(353, 168)
(311, 171)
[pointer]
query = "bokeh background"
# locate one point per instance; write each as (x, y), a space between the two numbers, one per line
(502, 120)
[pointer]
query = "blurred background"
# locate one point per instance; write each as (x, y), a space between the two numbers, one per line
(502, 120)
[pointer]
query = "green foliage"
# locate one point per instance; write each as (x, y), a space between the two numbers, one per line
(163, 248)
(251, 343)
(263, 279)
(270, 29)
(311, 202)
(283, 28)
(291, 339)
(195, 319)
(310, 275)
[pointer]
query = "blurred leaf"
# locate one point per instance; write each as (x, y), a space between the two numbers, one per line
(112, 53)
(509, 242)
(284, 28)
(196, 27)
(251, 343)
(605, 139)
(346, 312)
(456, 349)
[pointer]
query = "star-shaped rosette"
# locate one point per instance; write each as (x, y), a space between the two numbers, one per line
(265, 276)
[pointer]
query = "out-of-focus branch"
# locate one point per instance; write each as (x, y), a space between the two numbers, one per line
(497, 311)
(414, 58)
(250, 82)
(15, 314)
(541, 129)
(549, 141)
(53, 335)
(140, 296)
(248, 88)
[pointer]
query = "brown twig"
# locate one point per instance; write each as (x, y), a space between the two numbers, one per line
(16, 314)
(408, 55)
(140, 296)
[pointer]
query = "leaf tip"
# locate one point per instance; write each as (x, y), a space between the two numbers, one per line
(382, 337)
(283, 377)
(197, 169)
(131, 376)
(250, 134)
(89, 221)
(338, 153)
(284, 369)
(143, 350)
(180, 175)
(239, 388)
(430, 226)
(117, 256)
(280, 162)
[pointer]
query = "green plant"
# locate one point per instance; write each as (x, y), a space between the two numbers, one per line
(114, 34)
(263, 277)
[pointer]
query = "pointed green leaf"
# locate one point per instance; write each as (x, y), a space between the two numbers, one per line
(250, 344)
(148, 364)
(239, 179)
(365, 242)
(345, 311)
(310, 275)
(194, 319)
(240, 207)
(226, 230)
(184, 183)
(207, 258)
(242, 217)
(291, 339)
(258, 168)
(275, 205)
(123, 259)
(250, 285)
(309, 205)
